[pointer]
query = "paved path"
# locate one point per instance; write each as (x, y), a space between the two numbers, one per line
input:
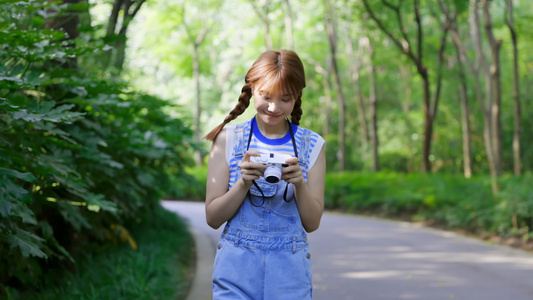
(372, 259)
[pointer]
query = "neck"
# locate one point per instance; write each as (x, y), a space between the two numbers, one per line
(273, 131)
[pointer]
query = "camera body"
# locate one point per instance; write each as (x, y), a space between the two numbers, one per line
(274, 162)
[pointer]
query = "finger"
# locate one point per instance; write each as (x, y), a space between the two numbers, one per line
(250, 153)
(292, 161)
(259, 167)
(252, 171)
(250, 177)
(290, 178)
(291, 169)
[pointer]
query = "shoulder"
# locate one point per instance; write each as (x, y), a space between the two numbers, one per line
(220, 140)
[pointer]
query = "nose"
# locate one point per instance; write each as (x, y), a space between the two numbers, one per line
(272, 106)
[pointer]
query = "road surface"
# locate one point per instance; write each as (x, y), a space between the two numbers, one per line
(364, 258)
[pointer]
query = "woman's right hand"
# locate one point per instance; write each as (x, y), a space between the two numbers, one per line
(251, 170)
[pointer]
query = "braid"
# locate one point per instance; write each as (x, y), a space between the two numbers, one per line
(297, 110)
(244, 102)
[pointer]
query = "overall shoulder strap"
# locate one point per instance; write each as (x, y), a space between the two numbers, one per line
(305, 142)
(239, 147)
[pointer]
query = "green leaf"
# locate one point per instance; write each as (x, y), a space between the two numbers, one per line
(10, 190)
(5, 207)
(46, 113)
(27, 242)
(5, 80)
(57, 163)
(51, 128)
(25, 213)
(95, 202)
(73, 215)
(28, 177)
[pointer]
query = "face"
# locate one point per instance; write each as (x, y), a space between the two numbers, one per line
(273, 107)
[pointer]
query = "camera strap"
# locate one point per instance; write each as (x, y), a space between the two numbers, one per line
(253, 181)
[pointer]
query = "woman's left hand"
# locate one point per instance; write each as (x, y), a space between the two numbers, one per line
(292, 173)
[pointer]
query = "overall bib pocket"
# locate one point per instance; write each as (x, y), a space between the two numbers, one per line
(267, 217)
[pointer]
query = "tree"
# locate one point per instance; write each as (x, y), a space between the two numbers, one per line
(494, 84)
(356, 63)
(463, 89)
(127, 9)
(373, 109)
(516, 90)
(341, 155)
(486, 102)
(416, 56)
(196, 40)
(326, 83)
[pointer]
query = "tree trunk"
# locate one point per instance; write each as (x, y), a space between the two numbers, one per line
(434, 105)
(373, 110)
(342, 103)
(465, 123)
(463, 96)
(129, 9)
(68, 22)
(428, 124)
(196, 41)
(327, 97)
(481, 62)
(355, 66)
(516, 92)
(113, 18)
(406, 108)
(495, 85)
(198, 111)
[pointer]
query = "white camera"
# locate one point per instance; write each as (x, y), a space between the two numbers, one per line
(274, 162)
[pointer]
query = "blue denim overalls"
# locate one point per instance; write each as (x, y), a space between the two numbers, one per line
(263, 251)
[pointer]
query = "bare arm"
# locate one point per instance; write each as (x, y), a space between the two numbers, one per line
(220, 203)
(310, 196)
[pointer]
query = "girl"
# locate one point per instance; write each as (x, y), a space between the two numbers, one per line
(263, 251)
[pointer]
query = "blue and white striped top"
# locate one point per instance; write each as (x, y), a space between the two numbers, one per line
(308, 145)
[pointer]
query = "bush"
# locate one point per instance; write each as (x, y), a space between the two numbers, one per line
(443, 199)
(79, 151)
(194, 189)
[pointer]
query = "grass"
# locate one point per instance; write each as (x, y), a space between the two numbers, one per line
(157, 269)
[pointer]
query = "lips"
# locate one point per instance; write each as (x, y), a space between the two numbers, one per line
(273, 116)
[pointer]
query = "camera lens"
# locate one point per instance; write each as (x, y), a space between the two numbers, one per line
(272, 174)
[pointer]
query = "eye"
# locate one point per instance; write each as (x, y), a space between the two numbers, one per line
(266, 98)
(286, 100)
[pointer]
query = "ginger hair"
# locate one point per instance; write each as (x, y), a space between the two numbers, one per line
(272, 70)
